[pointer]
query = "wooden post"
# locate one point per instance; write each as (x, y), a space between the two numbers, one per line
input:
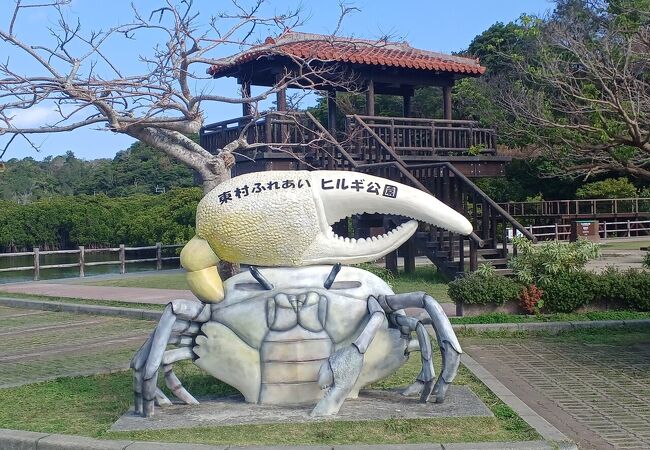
(557, 235)
(473, 256)
(331, 112)
(82, 261)
(407, 104)
(158, 256)
(122, 259)
(391, 262)
(370, 98)
(37, 264)
(461, 253)
(246, 93)
(629, 230)
(446, 102)
(409, 255)
(281, 96)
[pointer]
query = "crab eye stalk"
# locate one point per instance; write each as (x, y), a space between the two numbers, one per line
(261, 279)
(332, 276)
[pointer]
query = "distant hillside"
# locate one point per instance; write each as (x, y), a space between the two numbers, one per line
(137, 170)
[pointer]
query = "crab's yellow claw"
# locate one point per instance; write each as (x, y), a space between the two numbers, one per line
(284, 218)
(202, 275)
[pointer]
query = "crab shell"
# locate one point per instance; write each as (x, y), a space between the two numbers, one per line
(284, 218)
(270, 344)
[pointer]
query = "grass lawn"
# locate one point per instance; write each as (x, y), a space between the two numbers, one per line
(425, 278)
(89, 405)
(625, 244)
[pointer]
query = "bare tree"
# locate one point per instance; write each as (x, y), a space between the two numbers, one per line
(584, 95)
(160, 106)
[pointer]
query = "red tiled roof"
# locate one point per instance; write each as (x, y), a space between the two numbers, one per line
(349, 50)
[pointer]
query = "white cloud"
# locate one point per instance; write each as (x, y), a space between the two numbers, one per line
(33, 117)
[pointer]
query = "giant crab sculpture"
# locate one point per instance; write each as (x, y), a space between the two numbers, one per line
(304, 330)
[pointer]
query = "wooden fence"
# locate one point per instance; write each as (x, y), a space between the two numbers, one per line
(82, 264)
(606, 207)
(606, 230)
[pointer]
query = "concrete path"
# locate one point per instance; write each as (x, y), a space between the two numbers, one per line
(597, 394)
(122, 294)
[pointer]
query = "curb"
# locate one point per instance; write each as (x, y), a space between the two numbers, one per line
(555, 327)
(146, 314)
(45, 305)
(28, 440)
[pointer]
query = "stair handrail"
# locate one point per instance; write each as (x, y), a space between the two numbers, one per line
(332, 139)
(519, 227)
(379, 140)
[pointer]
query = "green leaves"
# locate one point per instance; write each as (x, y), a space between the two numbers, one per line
(609, 188)
(64, 222)
(537, 263)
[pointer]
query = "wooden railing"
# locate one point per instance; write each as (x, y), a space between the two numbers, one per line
(409, 137)
(580, 208)
(301, 133)
(297, 134)
(82, 264)
(606, 230)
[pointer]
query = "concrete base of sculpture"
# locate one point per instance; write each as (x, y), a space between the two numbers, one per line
(370, 405)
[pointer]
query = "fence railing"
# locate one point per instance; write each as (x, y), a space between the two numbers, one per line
(122, 259)
(606, 230)
(421, 137)
(577, 208)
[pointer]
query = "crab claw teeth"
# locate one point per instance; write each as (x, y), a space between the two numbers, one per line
(342, 194)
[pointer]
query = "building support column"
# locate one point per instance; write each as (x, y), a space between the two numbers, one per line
(370, 98)
(247, 108)
(331, 112)
(408, 104)
(446, 102)
(281, 96)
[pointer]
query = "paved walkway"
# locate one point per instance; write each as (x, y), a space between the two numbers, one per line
(122, 294)
(597, 394)
(42, 345)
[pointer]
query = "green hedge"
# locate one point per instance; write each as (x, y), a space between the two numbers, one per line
(480, 289)
(563, 292)
(566, 292)
(64, 222)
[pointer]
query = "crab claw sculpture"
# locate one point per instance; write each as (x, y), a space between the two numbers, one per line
(301, 331)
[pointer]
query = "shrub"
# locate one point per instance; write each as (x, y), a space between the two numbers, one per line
(380, 271)
(630, 288)
(536, 263)
(478, 289)
(609, 188)
(530, 299)
(567, 291)
(646, 260)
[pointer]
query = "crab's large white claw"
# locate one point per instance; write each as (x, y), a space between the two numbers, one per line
(337, 196)
(284, 218)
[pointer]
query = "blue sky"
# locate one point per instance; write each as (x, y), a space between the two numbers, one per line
(436, 25)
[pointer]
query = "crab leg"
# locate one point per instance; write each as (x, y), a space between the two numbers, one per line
(447, 340)
(341, 371)
(424, 382)
(177, 323)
